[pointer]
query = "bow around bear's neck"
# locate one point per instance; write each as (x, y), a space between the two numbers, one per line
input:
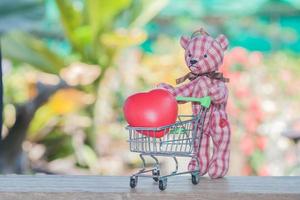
(212, 75)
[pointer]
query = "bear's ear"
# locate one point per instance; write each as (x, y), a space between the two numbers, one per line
(223, 41)
(184, 41)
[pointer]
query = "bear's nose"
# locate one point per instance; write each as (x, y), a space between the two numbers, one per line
(193, 61)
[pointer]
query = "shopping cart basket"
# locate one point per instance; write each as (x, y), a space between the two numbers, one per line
(178, 141)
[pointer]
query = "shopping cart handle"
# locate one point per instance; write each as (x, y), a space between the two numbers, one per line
(204, 101)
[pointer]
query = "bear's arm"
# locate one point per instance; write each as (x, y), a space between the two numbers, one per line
(183, 90)
(218, 93)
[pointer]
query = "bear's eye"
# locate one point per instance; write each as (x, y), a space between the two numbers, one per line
(205, 55)
(190, 55)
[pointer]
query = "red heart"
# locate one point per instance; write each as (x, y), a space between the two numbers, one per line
(151, 109)
(223, 123)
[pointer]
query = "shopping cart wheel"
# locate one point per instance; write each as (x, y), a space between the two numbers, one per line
(133, 181)
(155, 172)
(195, 178)
(162, 184)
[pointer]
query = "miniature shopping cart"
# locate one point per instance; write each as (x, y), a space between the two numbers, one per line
(178, 141)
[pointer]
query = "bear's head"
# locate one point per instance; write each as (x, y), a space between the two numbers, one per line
(203, 53)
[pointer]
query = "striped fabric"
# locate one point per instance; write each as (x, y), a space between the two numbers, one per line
(204, 54)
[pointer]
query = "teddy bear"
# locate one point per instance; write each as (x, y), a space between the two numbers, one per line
(203, 56)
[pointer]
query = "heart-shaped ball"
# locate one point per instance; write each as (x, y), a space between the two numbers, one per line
(155, 108)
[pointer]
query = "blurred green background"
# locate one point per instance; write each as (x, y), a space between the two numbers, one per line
(70, 64)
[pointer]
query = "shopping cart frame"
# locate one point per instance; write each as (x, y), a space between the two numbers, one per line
(181, 134)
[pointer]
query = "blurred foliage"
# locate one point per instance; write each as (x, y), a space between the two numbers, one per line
(93, 38)
(106, 50)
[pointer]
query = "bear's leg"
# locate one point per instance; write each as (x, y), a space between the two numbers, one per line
(220, 133)
(202, 154)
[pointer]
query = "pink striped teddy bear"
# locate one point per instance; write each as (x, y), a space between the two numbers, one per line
(203, 56)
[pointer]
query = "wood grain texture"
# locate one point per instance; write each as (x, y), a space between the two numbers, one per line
(104, 187)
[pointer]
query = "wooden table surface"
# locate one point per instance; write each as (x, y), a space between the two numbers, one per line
(105, 187)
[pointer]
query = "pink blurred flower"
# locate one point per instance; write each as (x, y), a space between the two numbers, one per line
(242, 92)
(263, 171)
(235, 79)
(255, 59)
(247, 145)
(232, 109)
(227, 63)
(240, 55)
(250, 122)
(247, 170)
(255, 109)
(261, 142)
